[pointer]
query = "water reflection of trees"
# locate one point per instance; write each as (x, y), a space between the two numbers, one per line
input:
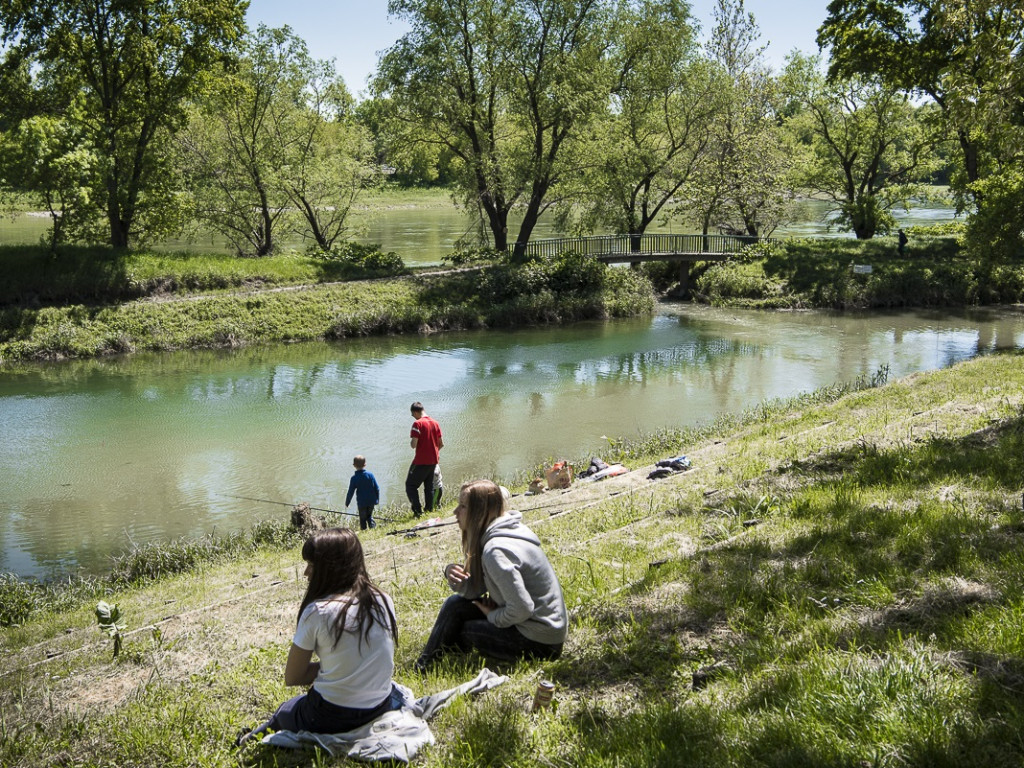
(641, 367)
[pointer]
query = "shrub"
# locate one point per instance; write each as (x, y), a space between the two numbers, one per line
(736, 280)
(471, 256)
(627, 292)
(576, 273)
(945, 229)
(356, 260)
(506, 281)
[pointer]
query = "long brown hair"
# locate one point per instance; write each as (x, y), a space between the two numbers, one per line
(484, 504)
(340, 570)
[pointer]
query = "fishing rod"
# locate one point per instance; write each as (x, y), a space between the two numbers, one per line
(288, 504)
(430, 524)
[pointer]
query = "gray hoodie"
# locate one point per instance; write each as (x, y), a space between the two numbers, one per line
(522, 583)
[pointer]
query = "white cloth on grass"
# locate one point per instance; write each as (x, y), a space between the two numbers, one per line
(396, 735)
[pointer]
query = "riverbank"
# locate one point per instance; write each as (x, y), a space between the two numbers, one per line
(836, 580)
(563, 290)
(848, 274)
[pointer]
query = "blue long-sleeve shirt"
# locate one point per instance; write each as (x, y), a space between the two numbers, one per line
(364, 485)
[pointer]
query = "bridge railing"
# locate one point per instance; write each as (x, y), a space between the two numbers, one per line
(607, 245)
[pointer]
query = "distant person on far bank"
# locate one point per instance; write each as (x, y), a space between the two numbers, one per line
(426, 441)
(363, 486)
(902, 247)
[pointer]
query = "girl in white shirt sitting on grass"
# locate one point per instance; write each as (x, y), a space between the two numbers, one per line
(350, 624)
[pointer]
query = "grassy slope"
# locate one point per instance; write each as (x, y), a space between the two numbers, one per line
(846, 578)
(418, 303)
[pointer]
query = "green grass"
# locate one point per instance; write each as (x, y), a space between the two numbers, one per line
(842, 572)
(494, 296)
(390, 196)
(98, 275)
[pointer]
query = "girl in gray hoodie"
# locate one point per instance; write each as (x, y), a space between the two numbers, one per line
(508, 603)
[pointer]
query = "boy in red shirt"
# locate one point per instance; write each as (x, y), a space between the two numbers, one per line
(425, 439)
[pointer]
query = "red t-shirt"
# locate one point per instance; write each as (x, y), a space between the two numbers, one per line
(429, 433)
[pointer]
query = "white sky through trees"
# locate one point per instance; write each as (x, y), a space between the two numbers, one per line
(354, 32)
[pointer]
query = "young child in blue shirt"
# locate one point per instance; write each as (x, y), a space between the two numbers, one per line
(364, 486)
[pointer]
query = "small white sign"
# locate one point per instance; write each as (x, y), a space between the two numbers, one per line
(862, 269)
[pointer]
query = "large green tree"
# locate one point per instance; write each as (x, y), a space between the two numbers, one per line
(134, 63)
(740, 184)
(950, 50)
(868, 149)
(272, 147)
(657, 127)
(56, 169)
(505, 86)
(967, 55)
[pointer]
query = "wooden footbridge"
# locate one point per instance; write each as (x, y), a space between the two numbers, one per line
(635, 249)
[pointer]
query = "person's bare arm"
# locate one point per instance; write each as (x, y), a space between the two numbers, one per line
(413, 442)
(300, 669)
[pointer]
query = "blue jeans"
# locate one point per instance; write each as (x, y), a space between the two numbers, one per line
(366, 518)
(312, 712)
(460, 625)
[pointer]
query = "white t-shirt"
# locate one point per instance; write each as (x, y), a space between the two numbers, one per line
(350, 675)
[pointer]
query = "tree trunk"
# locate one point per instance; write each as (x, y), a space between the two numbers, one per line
(498, 221)
(525, 230)
(118, 230)
(266, 236)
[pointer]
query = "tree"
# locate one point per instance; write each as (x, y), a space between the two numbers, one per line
(947, 49)
(740, 185)
(505, 86)
(332, 159)
(58, 169)
(967, 56)
(868, 148)
(407, 162)
(273, 146)
(657, 126)
(135, 64)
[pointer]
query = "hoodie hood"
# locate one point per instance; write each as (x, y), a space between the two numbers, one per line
(511, 526)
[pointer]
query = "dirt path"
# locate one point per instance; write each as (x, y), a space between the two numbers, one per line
(165, 298)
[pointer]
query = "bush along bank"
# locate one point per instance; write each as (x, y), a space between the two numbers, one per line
(850, 274)
(565, 289)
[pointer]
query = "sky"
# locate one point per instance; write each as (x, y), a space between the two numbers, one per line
(355, 32)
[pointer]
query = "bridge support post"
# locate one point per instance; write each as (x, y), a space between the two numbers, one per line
(684, 278)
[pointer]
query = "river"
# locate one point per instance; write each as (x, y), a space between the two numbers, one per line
(99, 454)
(422, 234)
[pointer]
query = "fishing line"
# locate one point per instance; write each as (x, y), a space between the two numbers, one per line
(288, 504)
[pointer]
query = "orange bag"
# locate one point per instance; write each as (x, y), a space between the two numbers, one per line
(560, 475)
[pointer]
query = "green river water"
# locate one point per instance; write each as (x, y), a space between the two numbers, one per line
(101, 454)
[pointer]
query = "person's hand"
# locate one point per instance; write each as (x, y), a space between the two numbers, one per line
(485, 604)
(456, 575)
